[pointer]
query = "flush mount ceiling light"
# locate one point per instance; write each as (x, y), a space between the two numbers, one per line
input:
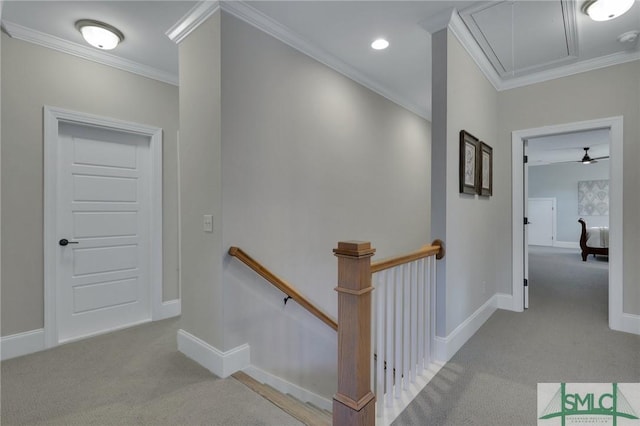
(604, 10)
(380, 44)
(98, 34)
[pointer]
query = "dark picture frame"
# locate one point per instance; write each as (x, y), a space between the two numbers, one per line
(485, 170)
(469, 153)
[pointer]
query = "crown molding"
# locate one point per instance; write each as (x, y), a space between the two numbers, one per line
(439, 21)
(192, 20)
(257, 19)
(56, 43)
(461, 32)
(572, 69)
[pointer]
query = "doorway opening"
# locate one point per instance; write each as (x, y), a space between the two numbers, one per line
(562, 189)
(614, 126)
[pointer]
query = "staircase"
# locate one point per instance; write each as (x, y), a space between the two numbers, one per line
(304, 412)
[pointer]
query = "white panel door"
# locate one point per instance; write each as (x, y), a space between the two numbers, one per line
(541, 213)
(103, 208)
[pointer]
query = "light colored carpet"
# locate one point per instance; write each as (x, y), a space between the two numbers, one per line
(563, 337)
(130, 377)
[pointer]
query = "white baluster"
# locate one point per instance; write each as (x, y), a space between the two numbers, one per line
(421, 312)
(414, 321)
(397, 283)
(389, 283)
(406, 325)
(432, 303)
(379, 383)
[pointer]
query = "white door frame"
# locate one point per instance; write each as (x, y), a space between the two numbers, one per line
(617, 319)
(52, 118)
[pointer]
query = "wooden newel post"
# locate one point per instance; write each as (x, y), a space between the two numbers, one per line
(354, 403)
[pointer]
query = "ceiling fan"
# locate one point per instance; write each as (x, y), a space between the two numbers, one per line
(586, 159)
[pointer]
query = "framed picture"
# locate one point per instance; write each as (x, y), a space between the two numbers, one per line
(469, 154)
(485, 166)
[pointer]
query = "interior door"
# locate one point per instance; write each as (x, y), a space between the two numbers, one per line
(103, 237)
(540, 228)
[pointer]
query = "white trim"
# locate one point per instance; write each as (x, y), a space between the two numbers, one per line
(222, 364)
(257, 19)
(570, 31)
(264, 23)
(460, 30)
(65, 46)
(462, 33)
(446, 347)
(168, 309)
(52, 117)
(439, 21)
(179, 178)
(504, 301)
(629, 323)
(192, 20)
(286, 387)
(617, 319)
(567, 244)
(20, 344)
(570, 69)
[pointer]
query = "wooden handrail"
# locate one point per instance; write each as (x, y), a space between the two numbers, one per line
(436, 247)
(282, 285)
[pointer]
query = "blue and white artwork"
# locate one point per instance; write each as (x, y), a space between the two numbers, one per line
(593, 197)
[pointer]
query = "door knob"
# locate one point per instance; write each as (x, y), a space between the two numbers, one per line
(63, 242)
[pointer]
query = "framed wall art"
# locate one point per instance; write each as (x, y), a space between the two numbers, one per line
(485, 173)
(469, 154)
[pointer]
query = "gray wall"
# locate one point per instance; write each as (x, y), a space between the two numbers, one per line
(32, 77)
(560, 181)
(478, 256)
(201, 183)
(309, 158)
(606, 92)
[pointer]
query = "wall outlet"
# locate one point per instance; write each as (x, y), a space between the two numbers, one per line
(207, 223)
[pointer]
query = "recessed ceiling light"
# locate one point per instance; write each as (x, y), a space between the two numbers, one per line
(604, 10)
(380, 44)
(628, 37)
(98, 34)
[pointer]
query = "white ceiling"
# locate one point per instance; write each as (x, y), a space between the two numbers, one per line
(532, 40)
(568, 147)
(143, 23)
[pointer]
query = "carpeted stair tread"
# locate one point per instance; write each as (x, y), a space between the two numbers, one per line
(304, 412)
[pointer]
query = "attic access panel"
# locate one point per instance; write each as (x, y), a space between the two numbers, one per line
(522, 37)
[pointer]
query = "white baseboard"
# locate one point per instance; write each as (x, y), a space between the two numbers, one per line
(504, 301)
(286, 387)
(446, 347)
(168, 309)
(222, 364)
(567, 244)
(20, 344)
(629, 323)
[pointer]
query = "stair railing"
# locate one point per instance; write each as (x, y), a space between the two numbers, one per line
(283, 286)
(397, 343)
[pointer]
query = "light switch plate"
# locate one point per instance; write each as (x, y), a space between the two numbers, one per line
(208, 223)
